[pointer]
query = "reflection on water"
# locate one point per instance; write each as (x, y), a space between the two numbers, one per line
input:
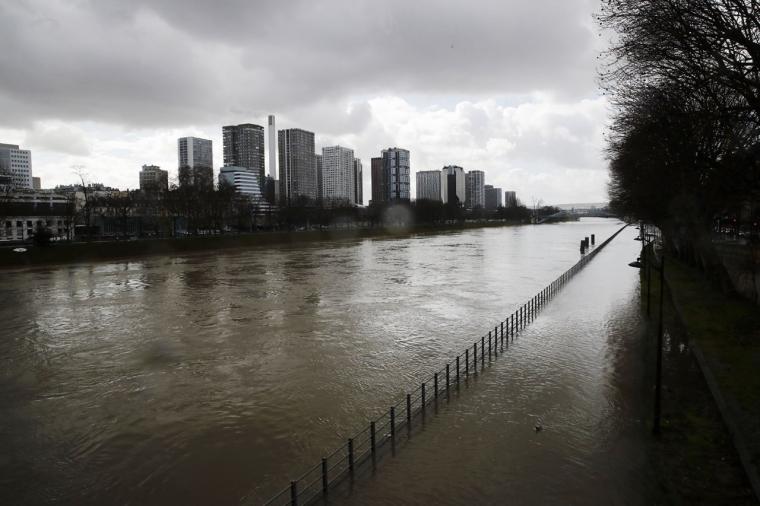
(202, 378)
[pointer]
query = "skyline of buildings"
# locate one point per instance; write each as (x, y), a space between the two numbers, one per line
(335, 175)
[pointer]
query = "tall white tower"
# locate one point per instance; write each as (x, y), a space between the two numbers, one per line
(272, 148)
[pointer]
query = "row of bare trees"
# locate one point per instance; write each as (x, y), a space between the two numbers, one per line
(684, 80)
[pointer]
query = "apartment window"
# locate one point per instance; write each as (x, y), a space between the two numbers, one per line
(29, 223)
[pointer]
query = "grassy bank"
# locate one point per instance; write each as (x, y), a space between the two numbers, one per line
(62, 253)
(695, 455)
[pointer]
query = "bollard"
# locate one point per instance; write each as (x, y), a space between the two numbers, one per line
(467, 363)
(435, 386)
(593, 239)
(293, 494)
(490, 354)
(325, 482)
(512, 317)
(351, 457)
(502, 333)
(475, 357)
(447, 381)
(582, 247)
(457, 371)
(482, 352)
(372, 438)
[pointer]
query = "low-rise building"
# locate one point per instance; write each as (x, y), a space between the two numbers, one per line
(23, 212)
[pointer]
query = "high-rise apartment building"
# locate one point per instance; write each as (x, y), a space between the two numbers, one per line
(493, 197)
(429, 185)
(36, 183)
(358, 183)
(510, 199)
(243, 179)
(338, 174)
(452, 185)
(474, 189)
(320, 177)
(152, 178)
(298, 168)
(196, 167)
(17, 164)
(379, 181)
(396, 171)
(244, 147)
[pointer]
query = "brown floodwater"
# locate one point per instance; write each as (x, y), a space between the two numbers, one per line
(210, 378)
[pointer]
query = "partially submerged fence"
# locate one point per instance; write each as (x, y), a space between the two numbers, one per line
(385, 432)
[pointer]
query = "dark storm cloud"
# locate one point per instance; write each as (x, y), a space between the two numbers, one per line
(173, 62)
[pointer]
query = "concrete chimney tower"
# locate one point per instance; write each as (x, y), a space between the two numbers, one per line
(272, 148)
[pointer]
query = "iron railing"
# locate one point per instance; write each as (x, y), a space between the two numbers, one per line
(368, 445)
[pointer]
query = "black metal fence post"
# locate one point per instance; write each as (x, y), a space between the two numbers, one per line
(393, 424)
(447, 381)
(422, 400)
(325, 481)
(475, 357)
(351, 457)
(457, 371)
(409, 412)
(490, 353)
(482, 351)
(467, 363)
(372, 438)
(293, 493)
(435, 386)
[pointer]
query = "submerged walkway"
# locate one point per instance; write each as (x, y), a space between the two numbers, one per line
(576, 372)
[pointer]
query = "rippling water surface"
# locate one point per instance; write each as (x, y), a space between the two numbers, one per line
(206, 378)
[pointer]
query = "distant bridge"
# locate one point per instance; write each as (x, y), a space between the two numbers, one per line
(575, 214)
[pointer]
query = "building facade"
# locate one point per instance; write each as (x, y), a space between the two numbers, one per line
(152, 178)
(510, 199)
(474, 189)
(23, 212)
(243, 146)
(196, 164)
(36, 183)
(338, 175)
(320, 177)
(16, 163)
(297, 164)
(358, 183)
(452, 185)
(243, 179)
(429, 185)
(378, 181)
(396, 169)
(493, 197)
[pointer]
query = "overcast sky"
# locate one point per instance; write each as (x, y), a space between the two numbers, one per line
(506, 86)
